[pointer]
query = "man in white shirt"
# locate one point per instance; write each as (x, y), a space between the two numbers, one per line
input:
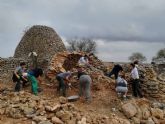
(135, 82)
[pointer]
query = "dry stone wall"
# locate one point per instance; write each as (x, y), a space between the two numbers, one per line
(40, 39)
(7, 66)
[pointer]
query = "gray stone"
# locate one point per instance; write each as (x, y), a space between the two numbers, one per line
(56, 120)
(129, 110)
(39, 118)
(63, 100)
(45, 122)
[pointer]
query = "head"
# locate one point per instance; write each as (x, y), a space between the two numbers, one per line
(40, 71)
(23, 64)
(85, 57)
(132, 65)
(136, 62)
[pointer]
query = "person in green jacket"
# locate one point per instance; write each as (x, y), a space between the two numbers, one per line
(34, 76)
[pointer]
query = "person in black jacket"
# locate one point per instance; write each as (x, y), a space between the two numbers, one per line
(115, 71)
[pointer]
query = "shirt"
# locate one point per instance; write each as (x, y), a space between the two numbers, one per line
(134, 73)
(117, 68)
(83, 61)
(121, 82)
(36, 72)
(19, 70)
(64, 75)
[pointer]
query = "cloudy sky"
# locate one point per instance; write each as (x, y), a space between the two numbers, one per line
(120, 27)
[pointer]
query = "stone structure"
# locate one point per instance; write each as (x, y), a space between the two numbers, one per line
(40, 39)
(7, 66)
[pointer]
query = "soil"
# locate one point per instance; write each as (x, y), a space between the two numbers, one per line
(104, 101)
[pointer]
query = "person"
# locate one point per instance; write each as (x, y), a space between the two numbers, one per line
(115, 71)
(84, 84)
(83, 60)
(63, 79)
(18, 78)
(34, 76)
(135, 81)
(121, 86)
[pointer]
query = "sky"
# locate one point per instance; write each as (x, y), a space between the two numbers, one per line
(119, 27)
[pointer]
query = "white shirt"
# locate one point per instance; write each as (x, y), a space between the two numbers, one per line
(134, 73)
(83, 61)
(119, 79)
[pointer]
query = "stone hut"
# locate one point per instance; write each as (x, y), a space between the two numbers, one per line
(40, 39)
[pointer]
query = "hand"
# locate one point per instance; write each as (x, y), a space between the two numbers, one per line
(18, 77)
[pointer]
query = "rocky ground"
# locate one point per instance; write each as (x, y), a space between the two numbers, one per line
(106, 108)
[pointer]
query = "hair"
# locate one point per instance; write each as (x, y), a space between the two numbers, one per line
(22, 63)
(132, 64)
(85, 56)
(136, 62)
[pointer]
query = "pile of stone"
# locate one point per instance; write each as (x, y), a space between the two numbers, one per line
(45, 110)
(144, 112)
(65, 61)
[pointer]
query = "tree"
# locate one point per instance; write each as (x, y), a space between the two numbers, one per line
(137, 56)
(84, 44)
(160, 55)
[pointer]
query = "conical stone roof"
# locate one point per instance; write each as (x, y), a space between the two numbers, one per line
(40, 39)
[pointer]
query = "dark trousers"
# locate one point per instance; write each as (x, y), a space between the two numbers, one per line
(136, 88)
(61, 85)
(18, 82)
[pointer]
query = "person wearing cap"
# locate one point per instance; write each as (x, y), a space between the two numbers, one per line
(63, 79)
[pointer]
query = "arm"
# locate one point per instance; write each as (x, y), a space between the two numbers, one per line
(16, 73)
(39, 78)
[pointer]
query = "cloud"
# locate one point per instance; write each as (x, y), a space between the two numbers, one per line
(120, 51)
(110, 20)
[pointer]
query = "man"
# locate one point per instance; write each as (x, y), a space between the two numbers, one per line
(17, 76)
(135, 82)
(84, 84)
(115, 71)
(63, 79)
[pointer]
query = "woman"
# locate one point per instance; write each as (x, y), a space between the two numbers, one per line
(84, 84)
(121, 86)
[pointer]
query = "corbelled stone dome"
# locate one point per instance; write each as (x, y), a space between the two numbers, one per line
(40, 39)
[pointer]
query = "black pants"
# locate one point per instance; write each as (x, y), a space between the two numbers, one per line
(18, 82)
(136, 88)
(61, 85)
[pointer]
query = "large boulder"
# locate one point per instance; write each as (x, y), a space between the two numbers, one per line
(129, 110)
